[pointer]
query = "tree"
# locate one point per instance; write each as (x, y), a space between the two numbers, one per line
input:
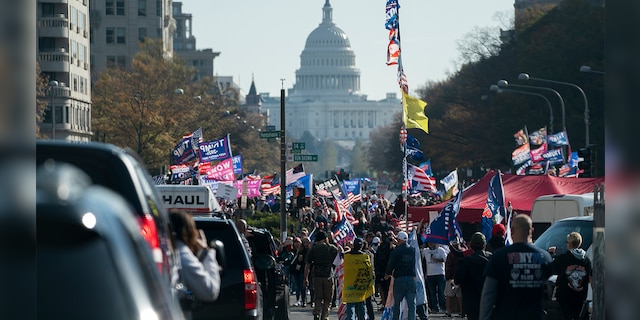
(43, 101)
(358, 161)
(383, 152)
(479, 44)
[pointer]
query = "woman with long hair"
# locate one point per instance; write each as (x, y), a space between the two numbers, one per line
(200, 271)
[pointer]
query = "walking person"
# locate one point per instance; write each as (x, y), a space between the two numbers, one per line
(320, 259)
(452, 291)
(574, 275)
(515, 277)
(296, 270)
(498, 232)
(435, 256)
(402, 267)
(358, 283)
(470, 276)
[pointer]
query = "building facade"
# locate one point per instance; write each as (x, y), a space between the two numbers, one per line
(63, 54)
(118, 27)
(184, 45)
(325, 99)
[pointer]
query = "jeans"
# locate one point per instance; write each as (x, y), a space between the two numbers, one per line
(360, 310)
(404, 287)
(436, 284)
(301, 290)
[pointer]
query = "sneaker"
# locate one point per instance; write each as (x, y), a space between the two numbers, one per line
(303, 304)
(297, 304)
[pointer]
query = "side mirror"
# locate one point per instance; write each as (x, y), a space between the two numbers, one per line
(221, 257)
(265, 262)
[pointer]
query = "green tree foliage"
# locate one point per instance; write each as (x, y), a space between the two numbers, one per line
(467, 131)
(359, 166)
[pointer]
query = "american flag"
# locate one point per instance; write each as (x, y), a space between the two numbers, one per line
(424, 181)
(269, 189)
(295, 173)
(343, 208)
(407, 225)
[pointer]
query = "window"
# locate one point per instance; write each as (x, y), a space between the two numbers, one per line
(109, 8)
(158, 8)
(120, 7)
(120, 35)
(110, 35)
(142, 34)
(142, 8)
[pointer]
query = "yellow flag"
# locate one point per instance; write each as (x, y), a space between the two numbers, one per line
(414, 117)
(358, 283)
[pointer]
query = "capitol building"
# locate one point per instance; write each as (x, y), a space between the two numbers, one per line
(326, 100)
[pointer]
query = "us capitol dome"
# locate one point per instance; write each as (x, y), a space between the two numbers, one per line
(325, 100)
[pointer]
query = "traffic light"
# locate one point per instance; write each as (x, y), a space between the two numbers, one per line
(587, 164)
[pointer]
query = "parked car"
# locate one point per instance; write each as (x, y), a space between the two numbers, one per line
(240, 294)
(270, 274)
(93, 263)
(121, 171)
(556, 236)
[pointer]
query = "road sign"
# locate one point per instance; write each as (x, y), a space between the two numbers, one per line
(298, 146)
(305, 157)
(270, 128)
(295, 151)
(269, 134)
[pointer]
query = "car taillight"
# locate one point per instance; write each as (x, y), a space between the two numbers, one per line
(149, 231)
(250, 290)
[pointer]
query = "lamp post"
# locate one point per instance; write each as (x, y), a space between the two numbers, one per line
(589, 70)
(497, 89)
(524, 76)
(53, 84)
(505, 84)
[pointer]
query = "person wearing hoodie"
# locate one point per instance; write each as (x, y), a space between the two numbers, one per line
(574, 275)
(469, 276)
(498, 233)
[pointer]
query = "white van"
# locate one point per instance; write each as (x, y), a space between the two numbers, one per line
(546, 210)
(193, 199)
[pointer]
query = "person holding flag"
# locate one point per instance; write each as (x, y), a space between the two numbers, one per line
(402, 266)
(358, 280)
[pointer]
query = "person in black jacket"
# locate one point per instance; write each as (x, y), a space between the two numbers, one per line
(402, 265)
(574, 274)
(469, 276)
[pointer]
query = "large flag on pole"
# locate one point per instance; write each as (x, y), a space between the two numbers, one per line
(421, 295)
(494, 210)
(413, 116)
(445, 227)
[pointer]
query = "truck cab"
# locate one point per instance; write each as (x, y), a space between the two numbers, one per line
(548, 209)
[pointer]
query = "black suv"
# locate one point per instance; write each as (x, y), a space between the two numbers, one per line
(240, 294)
(270, 274)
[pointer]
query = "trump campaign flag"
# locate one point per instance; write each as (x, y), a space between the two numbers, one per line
(219, 149)
(445, 227)
(494, 208)
(223, 171)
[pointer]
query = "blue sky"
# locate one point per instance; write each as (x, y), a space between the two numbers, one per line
(265, 38)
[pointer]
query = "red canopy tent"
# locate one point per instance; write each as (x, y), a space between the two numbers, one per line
(521, 191)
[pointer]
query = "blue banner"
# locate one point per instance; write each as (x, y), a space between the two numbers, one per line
(426, 167)
(553, 156)
(445, 227)
(352, 186)
(558, 139)
(343, 232)
(305, 182)
(494, 206)
(215, 150)
(237, 164)
(183, 151)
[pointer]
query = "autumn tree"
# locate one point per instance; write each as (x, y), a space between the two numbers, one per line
(358, 161)
(383, 152)
(42, 101)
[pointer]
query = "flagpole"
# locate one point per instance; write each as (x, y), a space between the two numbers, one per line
(283, 169)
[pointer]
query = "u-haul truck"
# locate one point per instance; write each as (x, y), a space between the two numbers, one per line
(193, 199)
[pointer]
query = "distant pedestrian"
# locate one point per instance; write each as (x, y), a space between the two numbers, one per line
(452, 291)
(435, 256)
(320, 260)
(498, 232)
(516, 277)
(402, 265)
(470, 276)
(574, 275)
(353, 280)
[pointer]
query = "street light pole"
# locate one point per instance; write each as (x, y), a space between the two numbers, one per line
(524, 76)
(497, 89)
(505, 84)
(589, 70)
(53, 84)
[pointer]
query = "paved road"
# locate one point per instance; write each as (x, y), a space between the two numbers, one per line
(306, 313)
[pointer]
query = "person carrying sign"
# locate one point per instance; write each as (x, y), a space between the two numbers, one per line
(358, 280)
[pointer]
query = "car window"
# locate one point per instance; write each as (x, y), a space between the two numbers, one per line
(228, 236)
(556, 235)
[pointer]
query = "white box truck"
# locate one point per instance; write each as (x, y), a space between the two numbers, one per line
(193, 199)
(548, 209)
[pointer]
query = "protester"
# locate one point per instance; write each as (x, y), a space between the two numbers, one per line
(241, 225)
(200, 272)
(435, 256)
(574, 274)
(320, 259)
(351, 279)
(452, 291)
(470, 276)
(515, 277)
(497, 240)
(296, 271)
(402, 266)
(381, 260)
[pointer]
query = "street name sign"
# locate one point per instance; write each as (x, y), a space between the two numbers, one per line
(305, 157)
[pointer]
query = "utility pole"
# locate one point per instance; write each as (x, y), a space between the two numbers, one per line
(283, 168)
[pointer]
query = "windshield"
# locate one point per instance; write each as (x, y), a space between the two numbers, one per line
(556, 235)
